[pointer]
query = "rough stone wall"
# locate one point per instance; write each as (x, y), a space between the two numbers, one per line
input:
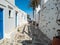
(48, 17)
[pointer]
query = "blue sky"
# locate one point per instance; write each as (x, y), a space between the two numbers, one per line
(23, 5)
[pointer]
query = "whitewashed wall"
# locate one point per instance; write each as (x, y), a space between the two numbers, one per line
(36, 14)
(9, 22)
(22, 17)
(9, 25)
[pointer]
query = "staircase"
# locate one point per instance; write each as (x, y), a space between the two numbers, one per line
(38, 37)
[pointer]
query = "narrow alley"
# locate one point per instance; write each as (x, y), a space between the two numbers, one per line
(28, 35)
(29, 22)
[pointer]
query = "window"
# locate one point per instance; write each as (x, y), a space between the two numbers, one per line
(9, 13)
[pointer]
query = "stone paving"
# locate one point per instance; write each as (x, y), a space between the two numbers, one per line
(27, 35)
(38, 37)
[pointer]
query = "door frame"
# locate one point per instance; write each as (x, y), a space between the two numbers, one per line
(16, 19)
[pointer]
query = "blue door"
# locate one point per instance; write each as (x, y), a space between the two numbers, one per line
(1, 23)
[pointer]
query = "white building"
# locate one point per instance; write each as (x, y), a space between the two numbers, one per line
(37, 14)
(21, 17)
(9, 17)
(48, 16)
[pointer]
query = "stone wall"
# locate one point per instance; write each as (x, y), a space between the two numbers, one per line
(48, 17)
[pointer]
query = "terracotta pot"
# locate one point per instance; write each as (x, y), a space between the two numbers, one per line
(56, 41)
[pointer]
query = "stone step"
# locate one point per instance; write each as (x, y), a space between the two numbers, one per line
(40, 41)
(43, 43)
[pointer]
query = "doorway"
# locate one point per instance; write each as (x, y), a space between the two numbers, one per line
(1, 23)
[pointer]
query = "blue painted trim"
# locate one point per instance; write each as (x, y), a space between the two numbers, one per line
(1, 23)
